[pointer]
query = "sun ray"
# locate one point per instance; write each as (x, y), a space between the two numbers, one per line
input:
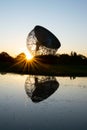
(23, 65)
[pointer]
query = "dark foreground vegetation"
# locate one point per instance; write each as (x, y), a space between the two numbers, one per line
(61, 65)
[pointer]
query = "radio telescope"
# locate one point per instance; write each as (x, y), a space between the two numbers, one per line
(41, 41)
(40, 88)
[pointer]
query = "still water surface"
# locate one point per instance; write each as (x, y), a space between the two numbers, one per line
(42, 103)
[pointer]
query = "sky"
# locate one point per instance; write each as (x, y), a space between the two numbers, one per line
(66, 19)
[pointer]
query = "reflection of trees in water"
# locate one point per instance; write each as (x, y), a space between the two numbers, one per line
(40, 88)
(72, 77)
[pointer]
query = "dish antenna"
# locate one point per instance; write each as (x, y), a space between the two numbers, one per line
(40, 88)
(41, 41)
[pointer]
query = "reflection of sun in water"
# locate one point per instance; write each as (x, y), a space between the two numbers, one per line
(28, 55)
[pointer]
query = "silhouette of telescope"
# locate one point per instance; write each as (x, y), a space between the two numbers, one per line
(41, 38)
(40, 89)
(46, 38)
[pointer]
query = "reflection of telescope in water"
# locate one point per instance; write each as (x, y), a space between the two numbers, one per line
(40, 88)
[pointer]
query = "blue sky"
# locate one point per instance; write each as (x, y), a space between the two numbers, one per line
(67, 19)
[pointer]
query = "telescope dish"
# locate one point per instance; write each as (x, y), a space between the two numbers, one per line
(41, 41)
(40, 88)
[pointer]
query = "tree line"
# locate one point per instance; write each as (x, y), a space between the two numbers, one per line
(64, 59)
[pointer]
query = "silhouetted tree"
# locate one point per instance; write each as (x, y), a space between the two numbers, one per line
(5, 57)
(21, 56)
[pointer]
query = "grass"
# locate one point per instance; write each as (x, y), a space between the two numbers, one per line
(39, 68)
(61, 65)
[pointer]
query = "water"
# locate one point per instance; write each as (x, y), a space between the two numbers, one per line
(42, 103)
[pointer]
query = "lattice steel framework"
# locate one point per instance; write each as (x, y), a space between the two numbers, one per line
(37, 48)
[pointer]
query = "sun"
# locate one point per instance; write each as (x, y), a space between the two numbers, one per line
(28, 56)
